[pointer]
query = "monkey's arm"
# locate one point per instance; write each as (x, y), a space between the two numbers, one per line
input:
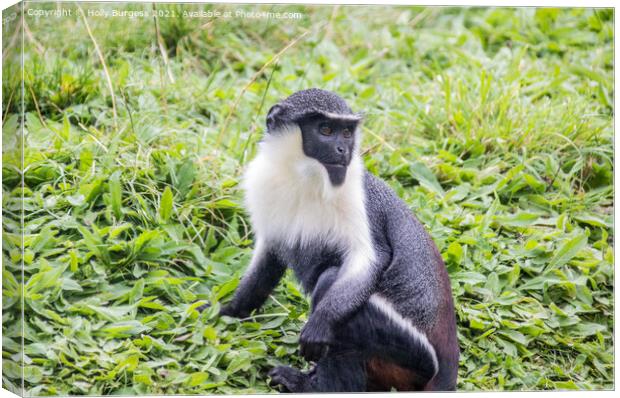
(355, 283)
(261, 277)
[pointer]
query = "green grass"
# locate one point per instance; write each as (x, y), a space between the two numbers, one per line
(494, 125)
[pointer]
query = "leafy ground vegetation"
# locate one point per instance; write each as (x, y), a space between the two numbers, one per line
(494, 125)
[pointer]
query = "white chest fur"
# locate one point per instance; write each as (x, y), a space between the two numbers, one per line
(290, 198)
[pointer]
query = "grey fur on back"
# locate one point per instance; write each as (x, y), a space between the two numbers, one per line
(408, 276)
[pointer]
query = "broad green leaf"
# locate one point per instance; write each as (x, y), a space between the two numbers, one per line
(185, 177)
(33, 374)
(143, 378)
(455, 252)
(514, 335)
(94, 244)
(121, 329)
(517, 220)
(44, 239)
(420, 172)
(166, 204)
(567, 251)
(224, 204)
(136, 291)
(197, 378)
(241, 361)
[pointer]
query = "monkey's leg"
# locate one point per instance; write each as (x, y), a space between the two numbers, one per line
(290, 379)
(342, 370)
(397, 354)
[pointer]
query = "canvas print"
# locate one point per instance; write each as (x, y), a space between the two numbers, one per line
(271, 198)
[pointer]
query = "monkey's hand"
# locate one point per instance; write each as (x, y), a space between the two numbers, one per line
(232, 311)
(227, 310)
(315, 339)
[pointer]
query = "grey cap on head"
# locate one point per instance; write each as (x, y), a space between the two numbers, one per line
(309, 102)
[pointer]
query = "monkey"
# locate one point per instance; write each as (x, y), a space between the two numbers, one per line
(382, 315)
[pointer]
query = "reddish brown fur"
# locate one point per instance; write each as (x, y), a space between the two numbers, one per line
(383, 375)
(443, 335)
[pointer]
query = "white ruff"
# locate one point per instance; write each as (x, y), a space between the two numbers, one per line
(291, 200)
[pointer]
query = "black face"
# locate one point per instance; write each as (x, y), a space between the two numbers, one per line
(331, 142)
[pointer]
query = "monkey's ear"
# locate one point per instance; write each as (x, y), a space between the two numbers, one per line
(275, 116)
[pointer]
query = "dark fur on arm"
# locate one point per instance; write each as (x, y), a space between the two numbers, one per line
(261, 277)
(345, 297)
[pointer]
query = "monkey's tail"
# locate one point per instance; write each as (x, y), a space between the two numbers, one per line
(379, 331)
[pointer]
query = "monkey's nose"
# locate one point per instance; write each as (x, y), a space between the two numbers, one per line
(339, 149)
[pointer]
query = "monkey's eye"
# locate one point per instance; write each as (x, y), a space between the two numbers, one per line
(325, 129)
(347, 133)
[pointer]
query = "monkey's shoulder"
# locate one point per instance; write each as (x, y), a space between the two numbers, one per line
(384, 206)
(380, 197)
